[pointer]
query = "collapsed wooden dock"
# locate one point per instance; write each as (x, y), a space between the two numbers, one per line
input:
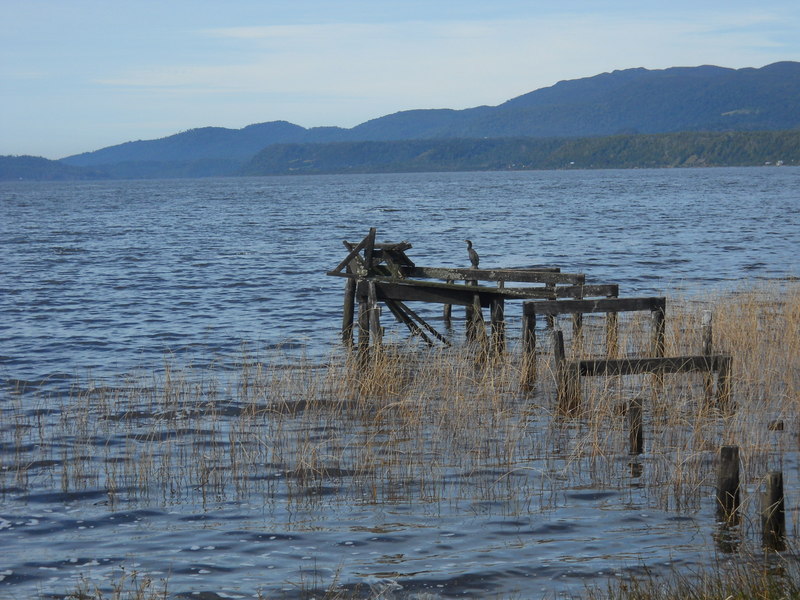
(382, 273)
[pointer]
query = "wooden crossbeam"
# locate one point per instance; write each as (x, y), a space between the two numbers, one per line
(603, 305)
(543, 275)
(651, 365)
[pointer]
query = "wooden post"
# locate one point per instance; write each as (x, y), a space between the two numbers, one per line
(567, 377)
(577, 327)
(550, 319)
(612, 330)
(448, 311)
(773, 514)
(706, 339)
(635, 426)
(363, 330)
(728, 484)
(349, 311)
(498, 326)
(469, 316)
(528, 350)
(374, 314)
(657, 343)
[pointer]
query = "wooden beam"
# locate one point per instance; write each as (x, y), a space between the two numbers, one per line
(641, 366)
(354, 250)
(543, 275)
(606, 305)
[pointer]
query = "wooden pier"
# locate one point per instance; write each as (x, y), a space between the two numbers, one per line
(383, 273)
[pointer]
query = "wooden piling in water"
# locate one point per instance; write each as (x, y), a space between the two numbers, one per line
(773, 513)
(528, 350)
(728, 484)
(498, 326)
(374, 317)
(363, 330)
(567, 377)
(348, 312)
(635, 426)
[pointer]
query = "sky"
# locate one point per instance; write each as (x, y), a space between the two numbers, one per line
(79, 75)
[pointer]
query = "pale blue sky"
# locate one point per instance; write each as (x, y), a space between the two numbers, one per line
(78, 75)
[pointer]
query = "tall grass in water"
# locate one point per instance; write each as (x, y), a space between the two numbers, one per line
(426, 426)
(417, 420)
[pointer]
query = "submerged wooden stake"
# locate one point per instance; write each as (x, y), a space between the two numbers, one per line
(728, 484)
(567, 377)
(773, 514)
(528, 350)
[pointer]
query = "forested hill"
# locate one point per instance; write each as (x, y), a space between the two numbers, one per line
(632, 101)
(36, 168)
(687, 149)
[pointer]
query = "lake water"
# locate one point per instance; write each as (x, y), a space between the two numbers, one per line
(103, 279)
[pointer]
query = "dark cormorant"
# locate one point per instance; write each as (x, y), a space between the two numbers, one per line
(473, 256)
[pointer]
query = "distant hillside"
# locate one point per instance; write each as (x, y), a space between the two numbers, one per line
(34, 168)
(686, 149)
(631, 101)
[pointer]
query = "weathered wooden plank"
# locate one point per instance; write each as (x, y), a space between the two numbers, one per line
(424, 324)
(607, 305)
(544, 275)
(354, 250)
(568, 291)
(498, 326)
(348, 312)
(649, 365)
(460, 295)
(403, 317)
(369, 247)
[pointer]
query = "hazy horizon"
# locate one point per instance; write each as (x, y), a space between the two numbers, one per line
(85, 75)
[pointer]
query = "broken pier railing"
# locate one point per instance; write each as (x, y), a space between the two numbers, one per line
(383, 273)
(569, 372)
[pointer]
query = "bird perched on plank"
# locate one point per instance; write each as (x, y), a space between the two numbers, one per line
(473, 256)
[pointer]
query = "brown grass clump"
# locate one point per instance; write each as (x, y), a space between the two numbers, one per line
(422, 425)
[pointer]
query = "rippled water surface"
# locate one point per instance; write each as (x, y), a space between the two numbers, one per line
(109, 281)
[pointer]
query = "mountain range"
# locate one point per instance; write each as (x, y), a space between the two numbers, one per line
(628, 102)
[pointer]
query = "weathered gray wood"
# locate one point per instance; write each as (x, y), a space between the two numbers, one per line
(354, 250)
(348, 312)
(568, 392)
(424, 324)
(608, 290)
(658, 339)
(773, 513)
(498, 326)
(651, 365)
(404, 318)
(518, 275)
(375, 330)
(728, 484)
(528, 351)
(443, 293)
(369, 248)
(635, 426)
(606, 305)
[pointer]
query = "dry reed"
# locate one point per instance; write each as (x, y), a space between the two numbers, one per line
(428, 426)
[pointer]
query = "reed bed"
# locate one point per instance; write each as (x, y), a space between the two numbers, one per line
(429, 426)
